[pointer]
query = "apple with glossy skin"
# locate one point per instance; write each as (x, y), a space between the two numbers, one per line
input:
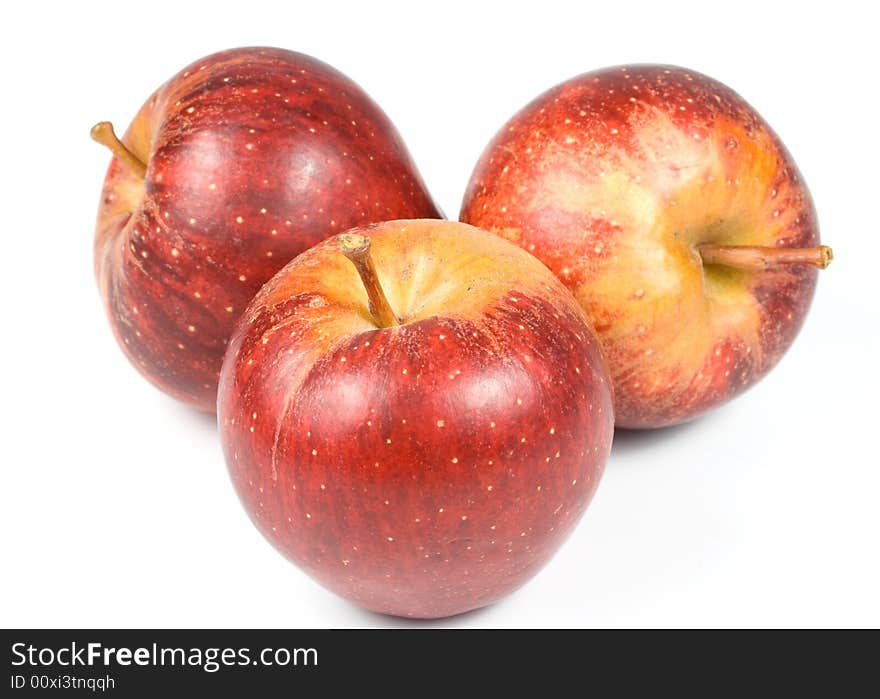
(422, 439)
(676, 217)
(229, 170)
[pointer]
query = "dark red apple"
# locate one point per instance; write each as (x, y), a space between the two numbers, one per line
(230, 169)
(676, 217)
(424, 452)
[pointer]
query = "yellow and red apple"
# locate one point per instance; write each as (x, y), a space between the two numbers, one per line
(677, 218)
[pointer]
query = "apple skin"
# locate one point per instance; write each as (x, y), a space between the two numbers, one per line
(613, 179)
(253, 155)
(426, 469)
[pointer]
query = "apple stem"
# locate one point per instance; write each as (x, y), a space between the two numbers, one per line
(356, 248)
(756, 257)
(103, 133)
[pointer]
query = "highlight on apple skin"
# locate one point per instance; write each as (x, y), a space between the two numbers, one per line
(416, 414)
(677, 218)
(230, 169)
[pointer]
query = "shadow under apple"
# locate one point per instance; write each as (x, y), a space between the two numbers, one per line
(630, 441)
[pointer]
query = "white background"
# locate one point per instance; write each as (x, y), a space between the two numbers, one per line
(115, 506)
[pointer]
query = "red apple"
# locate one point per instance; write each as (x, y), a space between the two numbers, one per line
(424, 452)
(230, 169)
(676, 217)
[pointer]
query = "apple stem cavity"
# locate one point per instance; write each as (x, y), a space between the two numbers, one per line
(103, 133)
(758, 258)
(356, 248)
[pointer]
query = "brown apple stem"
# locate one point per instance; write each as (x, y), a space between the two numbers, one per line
(356, 248)
(103, 133)
(756, 257)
